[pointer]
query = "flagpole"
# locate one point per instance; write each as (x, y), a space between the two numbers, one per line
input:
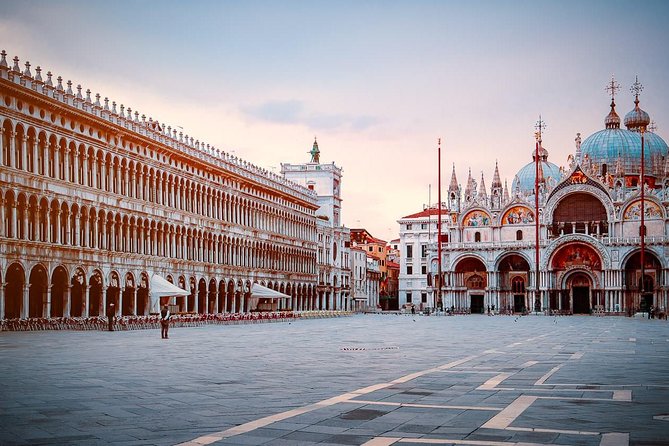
(439, 277)
(536, 219)
(537, 297)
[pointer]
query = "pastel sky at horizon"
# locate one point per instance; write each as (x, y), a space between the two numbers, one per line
(378, 82)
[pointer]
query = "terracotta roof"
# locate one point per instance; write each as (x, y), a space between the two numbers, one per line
(427, 213)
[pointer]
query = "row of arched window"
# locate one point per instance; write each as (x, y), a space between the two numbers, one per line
(38, 219)
(46, 154)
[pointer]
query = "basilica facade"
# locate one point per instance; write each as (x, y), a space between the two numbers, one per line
(96, 199)
(591, 256)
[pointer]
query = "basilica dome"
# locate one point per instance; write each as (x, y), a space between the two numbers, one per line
(612, 145)
(524, 179)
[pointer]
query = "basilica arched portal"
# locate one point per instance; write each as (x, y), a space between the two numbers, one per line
(576, 268)
(471, 283)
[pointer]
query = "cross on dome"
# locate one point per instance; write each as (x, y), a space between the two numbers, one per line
(612, 87)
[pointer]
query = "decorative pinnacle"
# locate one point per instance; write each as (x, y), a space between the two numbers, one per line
(652, 127)
(539, 126)
(612, 87)
(636, 88)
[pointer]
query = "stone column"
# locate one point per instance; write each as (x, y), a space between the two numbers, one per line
(75, 167)
(85, 170)
(24, 153)
(2, 216)
(94, 174)
(25, 307)
(67, 295)
(2, 286)
(2, 151)
(46, 308)
(35, 157)
(24, 223)
(66, 163)
(12, 220)
(86, 299)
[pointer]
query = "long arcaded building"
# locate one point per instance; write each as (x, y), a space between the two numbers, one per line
(96, 199)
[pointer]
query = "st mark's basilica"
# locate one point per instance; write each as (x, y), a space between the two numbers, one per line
(590, 218)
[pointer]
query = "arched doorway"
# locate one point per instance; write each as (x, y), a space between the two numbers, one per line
(113, 294)
(128, 300)
(95, 294)
(77, 291)
(143, 295)
(470, 274)
(638, 297)
(581, 289)
(211, 302)
(202, 297)
(230, 298)
(14, 291)
(58, 290)
(221, 296)
(181, 300)
(190, 306)
(37, 292)
(514, 272)
(576, 267)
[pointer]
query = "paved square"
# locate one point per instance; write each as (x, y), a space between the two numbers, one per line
(372, 379)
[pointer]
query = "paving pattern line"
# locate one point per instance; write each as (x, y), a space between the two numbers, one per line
(503, 419)
(386, 441)
(494, 381)
(551, 431)
(345, 397)
(550, 373)
(615, 439)
(424, 406)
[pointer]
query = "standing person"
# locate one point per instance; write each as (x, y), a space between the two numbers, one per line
(164, 322)
(110, 316)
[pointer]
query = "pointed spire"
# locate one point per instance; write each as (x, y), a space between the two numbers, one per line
(496, 181)
(482, 192)
(453, 187)
(470, 189)
(506, 192)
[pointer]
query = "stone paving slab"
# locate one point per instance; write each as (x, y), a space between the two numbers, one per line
(376, 379)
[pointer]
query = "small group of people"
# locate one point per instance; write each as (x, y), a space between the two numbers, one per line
(491, 310)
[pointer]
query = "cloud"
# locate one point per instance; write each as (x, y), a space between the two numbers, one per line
(296, 113)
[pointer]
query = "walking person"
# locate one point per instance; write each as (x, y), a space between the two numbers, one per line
(164, 322)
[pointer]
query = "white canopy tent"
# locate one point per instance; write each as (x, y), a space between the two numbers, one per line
(265, 299)
(162, 288)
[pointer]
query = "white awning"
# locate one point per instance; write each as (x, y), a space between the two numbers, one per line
(263, 292)
(162, 288)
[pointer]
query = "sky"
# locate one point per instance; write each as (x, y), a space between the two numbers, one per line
(377, 82)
